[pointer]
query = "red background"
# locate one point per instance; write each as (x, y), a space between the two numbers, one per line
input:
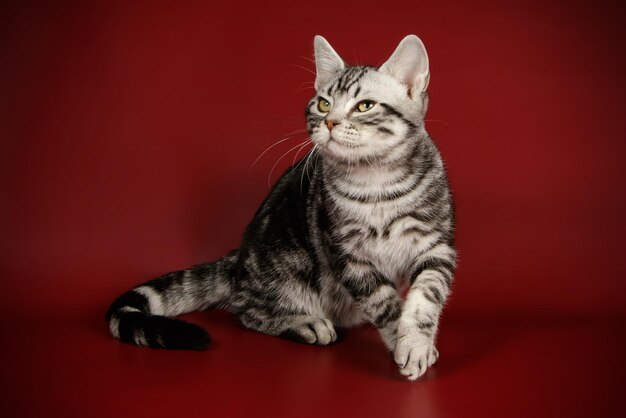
(128, 132)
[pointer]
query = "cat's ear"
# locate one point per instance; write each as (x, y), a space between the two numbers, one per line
(327, 62)
(409, 65)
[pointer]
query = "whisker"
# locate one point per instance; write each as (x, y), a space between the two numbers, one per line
(305, 86)
(307, 58)
(304, 68)
(317, 157)
(270, 121)
(289, 136)
(349, 164)
(293, 162)
(306, 167)
(356, 57)
(302, 144)
(437, 120)
(299, 162)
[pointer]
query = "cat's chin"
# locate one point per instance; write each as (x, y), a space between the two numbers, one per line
(342, 143)
(338, 152)
(341, 155)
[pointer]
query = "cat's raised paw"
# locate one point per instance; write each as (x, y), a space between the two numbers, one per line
(414, 354)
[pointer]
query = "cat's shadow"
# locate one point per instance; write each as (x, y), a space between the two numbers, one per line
(461, 343)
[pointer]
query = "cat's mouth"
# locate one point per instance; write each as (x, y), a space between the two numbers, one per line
(347, 143)
(342, 150)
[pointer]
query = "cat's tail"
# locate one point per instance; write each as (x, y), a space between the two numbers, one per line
(141, 316)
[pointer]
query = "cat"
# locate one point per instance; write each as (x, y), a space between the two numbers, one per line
(367, 212)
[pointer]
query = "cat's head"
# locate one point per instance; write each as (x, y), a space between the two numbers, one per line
(364, 115)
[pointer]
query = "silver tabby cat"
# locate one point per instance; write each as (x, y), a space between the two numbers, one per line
(340, 236)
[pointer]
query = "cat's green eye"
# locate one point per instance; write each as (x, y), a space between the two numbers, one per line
(323, 106)
(365, 105)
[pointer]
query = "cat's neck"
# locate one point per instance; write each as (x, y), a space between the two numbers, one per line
(375, 194)
(376, 174)
(364, 175)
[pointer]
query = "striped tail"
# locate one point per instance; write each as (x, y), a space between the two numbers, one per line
(141, 316)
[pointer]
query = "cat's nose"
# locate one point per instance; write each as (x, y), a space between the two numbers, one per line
(331, 124)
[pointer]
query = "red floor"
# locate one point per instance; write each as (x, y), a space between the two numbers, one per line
(128, 132)
(65, 365)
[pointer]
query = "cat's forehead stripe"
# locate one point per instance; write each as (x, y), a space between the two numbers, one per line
(350, 77)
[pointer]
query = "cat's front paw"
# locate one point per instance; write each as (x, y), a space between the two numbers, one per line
(414, 353)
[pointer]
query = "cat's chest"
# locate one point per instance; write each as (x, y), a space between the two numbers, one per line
(391, 242)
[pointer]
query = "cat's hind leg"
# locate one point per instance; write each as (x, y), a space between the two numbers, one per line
(311, 330)
(298, 327)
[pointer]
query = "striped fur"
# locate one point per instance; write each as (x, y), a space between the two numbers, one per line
(366, 212)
